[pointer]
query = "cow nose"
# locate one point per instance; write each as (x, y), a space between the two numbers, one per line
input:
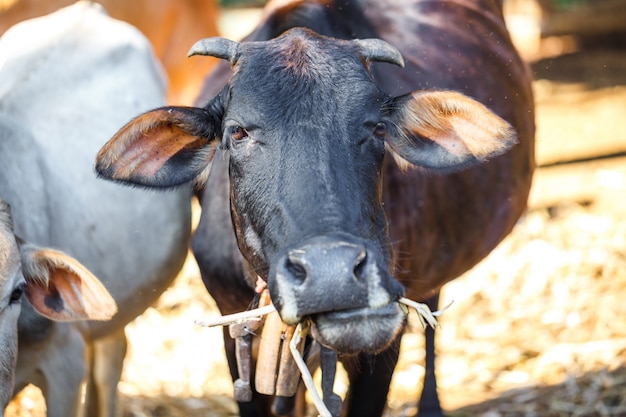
(322, 275)
(342, 259)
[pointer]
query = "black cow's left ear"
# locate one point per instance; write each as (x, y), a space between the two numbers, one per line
(446, 131)
(162, 148)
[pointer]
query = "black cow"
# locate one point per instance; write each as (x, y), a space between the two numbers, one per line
(342, 175)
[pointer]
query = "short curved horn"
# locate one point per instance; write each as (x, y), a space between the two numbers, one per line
(217, 47)
(379, 50)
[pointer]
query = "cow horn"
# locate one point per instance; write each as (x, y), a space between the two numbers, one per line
(379, 50)
(217, 47)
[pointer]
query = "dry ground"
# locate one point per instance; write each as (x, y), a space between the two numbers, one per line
(537, 329)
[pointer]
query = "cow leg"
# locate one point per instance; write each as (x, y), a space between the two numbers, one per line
(107, 361)
(63, 370)
(107, 371)
(370, 377)
(429, 405)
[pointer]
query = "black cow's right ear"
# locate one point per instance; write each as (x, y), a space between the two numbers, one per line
(162, 148)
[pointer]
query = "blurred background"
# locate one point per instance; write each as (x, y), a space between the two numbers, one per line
(537, 329)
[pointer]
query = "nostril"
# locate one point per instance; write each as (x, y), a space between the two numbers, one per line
(296, 270)
(359, 265)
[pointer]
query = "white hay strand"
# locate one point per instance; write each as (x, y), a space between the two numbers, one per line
(304, 371)
(253, 314)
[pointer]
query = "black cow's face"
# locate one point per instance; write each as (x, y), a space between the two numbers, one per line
(306, 129)
(306, 142)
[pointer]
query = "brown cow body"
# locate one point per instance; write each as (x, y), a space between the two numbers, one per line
(450, 222)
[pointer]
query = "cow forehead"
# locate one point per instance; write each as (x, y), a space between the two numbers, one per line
(301, 52)
(302, 68)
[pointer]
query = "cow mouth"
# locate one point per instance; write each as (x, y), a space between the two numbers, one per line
(359, 330)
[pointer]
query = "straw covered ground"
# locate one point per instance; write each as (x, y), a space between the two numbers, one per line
(535, 330)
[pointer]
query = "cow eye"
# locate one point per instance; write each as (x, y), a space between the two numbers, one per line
(17, 293)
(238, 133)
(380, 130)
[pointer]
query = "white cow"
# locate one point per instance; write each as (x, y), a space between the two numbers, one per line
(67, 82)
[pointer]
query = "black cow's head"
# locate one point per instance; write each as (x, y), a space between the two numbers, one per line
(306, 128)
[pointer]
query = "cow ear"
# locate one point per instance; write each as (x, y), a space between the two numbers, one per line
(61, 288)
(446, 131)
(162, 148)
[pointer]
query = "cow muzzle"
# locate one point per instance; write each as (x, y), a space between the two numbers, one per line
(343, 288)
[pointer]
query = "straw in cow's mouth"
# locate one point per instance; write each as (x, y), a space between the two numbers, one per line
(425, 315)
(243, 325)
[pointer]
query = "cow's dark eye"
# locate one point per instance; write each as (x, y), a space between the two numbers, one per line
(380, 130)
(17, 293)
(238, 133)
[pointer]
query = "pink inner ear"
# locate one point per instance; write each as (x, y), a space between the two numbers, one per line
(71, 293)
(142, 147)
(483, 134)
(459, 124)
(49, 302)
(449, 139)
(146, 154)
